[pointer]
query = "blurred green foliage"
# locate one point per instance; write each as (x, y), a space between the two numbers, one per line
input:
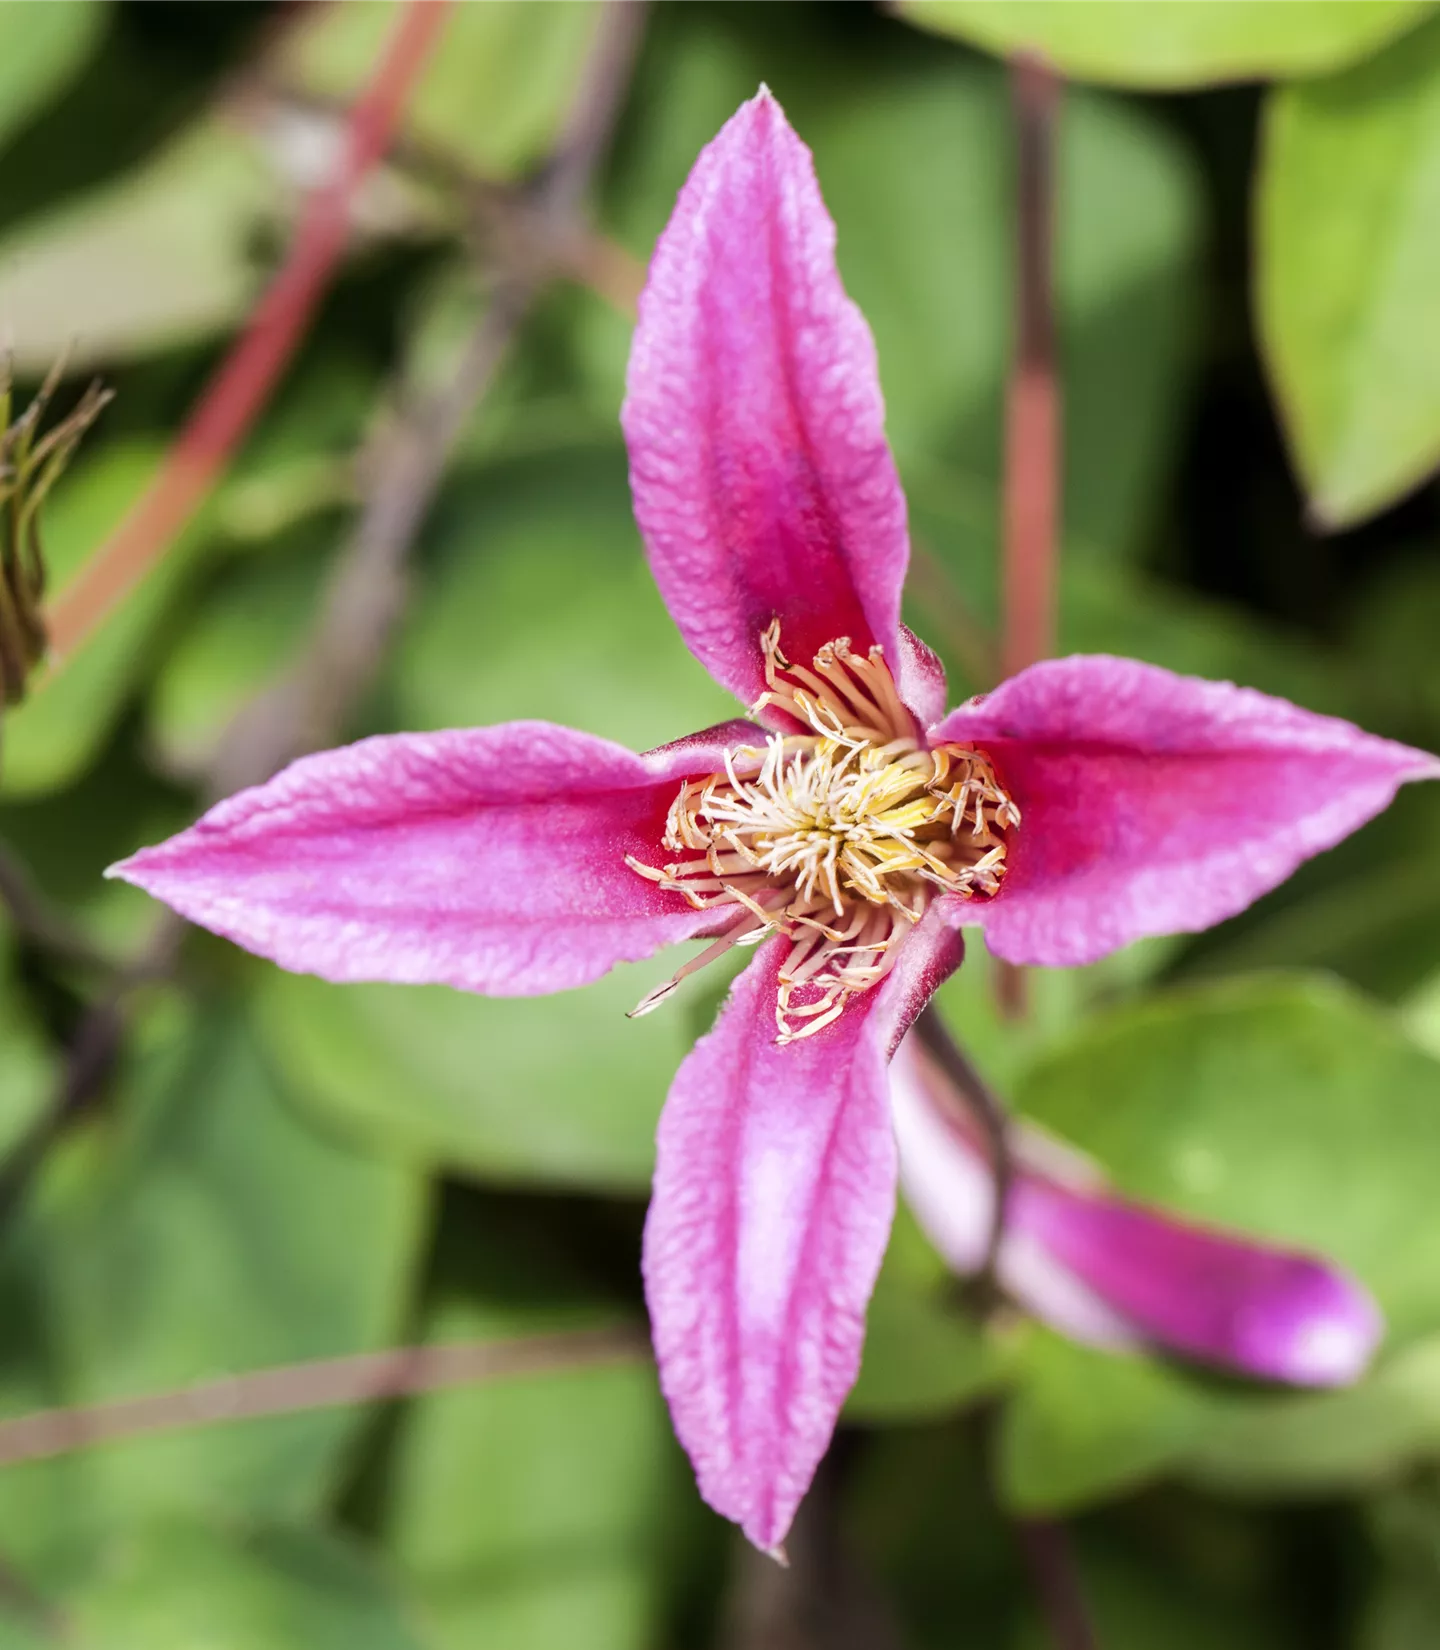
(279, 1169)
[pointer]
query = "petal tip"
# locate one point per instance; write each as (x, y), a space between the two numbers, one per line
(1331, 1335)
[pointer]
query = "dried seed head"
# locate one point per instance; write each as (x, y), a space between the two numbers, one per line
(30, 465)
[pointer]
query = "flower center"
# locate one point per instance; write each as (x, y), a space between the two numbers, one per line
(837, 838)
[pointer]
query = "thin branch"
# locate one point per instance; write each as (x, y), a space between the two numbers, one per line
(366, 595)
(502, 211)
(820, 1596)
(1032, 410)
(242, 386)
(982, 1103)
(326, 1383)
(1045, 1546)
(41, 923)
(89, 1059)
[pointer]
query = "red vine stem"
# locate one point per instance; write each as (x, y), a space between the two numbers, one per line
(1031, 501)
(1032, 412)
(326, 1383)
(245, 379)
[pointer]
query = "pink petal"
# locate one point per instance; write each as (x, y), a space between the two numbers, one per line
(1112, 1273)
(763, 483)
(492, 859)
(1158, 804)
(774, 1191)
(1226, 1300)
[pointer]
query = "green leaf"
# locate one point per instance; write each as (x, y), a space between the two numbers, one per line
(559, 1090)
(1083, 1425)
(1178, 43)
(1348, 281)
(541, 605)
(533, 1513)
(925, 251)
(40, 50)
(245, 632)
(72, 708)
(181, 1586)
(1325, 1443)
(29, 1069)
(1288, 1107)
(497, 86)
(206, 1231)
(173, 238)
(924, 1354)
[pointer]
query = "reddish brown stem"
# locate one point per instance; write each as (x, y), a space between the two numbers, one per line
(242, 385)
(1045, 1545)
(327, 1383)
(1032, 410)
(1032, 413)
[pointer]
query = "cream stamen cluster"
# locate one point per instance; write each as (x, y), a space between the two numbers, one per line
(837, 838)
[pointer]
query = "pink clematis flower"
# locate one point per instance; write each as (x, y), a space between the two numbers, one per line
(847, 831)
(1112, 1273)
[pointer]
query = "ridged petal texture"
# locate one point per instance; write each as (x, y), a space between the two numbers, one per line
(774, 1192)
(492, 859)
(1159, 804)
(763, 484)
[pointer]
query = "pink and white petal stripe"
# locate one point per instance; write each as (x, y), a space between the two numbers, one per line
(774, 1192)
(492, 859)
(763, 484)
(1159, 804)
(1113, 1273)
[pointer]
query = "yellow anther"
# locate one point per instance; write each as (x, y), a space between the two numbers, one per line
(838, 838)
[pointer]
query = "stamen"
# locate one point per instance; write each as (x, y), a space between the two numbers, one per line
(837, 838)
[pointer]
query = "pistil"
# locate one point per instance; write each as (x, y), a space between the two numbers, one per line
(837, 837)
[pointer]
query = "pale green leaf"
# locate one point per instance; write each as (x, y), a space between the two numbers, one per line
(1283, 1106)
(42, 47)
(551, 1090)
(1348, 278)
(243, 635)
(496, 88)
(185, 1586)
(156, 258)
(925, 1354)
(1177, 42)
(541, 605)
(1083, 1426)
(532, 1513)
(1325, 1443)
